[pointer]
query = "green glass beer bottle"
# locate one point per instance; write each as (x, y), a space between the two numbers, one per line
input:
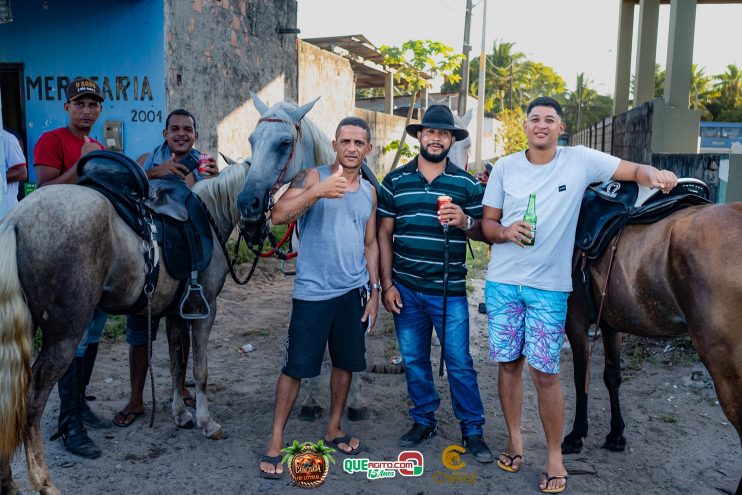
(530, 217)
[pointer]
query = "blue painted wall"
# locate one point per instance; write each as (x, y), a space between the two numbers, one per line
(120, 43)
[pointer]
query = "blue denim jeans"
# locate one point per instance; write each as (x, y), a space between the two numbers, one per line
(419, 315)
(93, 333)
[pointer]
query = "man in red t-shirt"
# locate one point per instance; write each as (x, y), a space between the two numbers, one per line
(55, 160)
(57, 152)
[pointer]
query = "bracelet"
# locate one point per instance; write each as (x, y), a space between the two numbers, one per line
(390, 286)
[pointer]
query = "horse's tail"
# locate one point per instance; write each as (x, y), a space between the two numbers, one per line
(16, 346)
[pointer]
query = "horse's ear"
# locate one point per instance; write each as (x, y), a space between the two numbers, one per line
(228, 159)
(259, 105)
(300, 112)
(467, 117)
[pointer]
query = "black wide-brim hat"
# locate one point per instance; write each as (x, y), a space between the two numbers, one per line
(438, 117)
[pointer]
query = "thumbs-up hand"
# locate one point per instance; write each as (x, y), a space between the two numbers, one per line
(335, 185)
(88, 146)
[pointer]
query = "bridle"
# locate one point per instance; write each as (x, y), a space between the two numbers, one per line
(255, 245)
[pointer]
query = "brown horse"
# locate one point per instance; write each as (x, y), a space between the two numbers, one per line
(679, 275)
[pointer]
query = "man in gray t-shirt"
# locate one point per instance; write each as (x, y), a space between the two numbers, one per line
(528, 285)
(338, 263)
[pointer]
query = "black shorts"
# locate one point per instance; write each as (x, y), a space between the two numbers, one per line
(334, 323)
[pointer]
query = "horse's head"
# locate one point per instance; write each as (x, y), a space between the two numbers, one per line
(276, 159)
(459, 152)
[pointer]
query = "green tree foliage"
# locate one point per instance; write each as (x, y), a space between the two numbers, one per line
(506, 71)
(510, 136)
(728, 94)
(542, 80)
(407, 152)
(584, 106)
(512, 81)
(412, 60)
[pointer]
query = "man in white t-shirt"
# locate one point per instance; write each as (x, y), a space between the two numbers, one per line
(527, 286)
(14, 169)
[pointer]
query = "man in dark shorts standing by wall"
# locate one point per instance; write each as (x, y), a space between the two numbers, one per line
(336, 211)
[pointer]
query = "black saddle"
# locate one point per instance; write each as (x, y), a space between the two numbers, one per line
(180, 222)
(183, 228)
(611, 205)
(118, 178)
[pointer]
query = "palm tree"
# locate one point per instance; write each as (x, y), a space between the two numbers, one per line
(505, 71)
(729, 86)
(578, 101)
(699, 90)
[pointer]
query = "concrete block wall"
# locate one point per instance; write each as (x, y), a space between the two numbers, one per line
(703, 166)
(217, 52)
(330, 77)
(632, 134)
(385, 128)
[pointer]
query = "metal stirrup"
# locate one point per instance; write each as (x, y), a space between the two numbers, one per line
(194, 287)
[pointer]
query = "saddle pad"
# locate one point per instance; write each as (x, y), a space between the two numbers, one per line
(186, 246)
(607, 208)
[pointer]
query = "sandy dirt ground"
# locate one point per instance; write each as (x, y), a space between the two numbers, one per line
(679, 441)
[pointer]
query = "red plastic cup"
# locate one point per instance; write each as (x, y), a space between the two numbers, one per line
(202, 161)
(443, 200)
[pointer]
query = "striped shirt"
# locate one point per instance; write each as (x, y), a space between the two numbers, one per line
(406, 196)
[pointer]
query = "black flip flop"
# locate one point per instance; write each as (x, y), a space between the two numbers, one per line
(346, 440)
(124, 416)
(275, 460)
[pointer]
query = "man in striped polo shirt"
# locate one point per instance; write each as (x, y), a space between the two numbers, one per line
(411, 260)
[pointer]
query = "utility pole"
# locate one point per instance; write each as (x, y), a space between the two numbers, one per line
(464, 84)
(510, 92)
(480, 95)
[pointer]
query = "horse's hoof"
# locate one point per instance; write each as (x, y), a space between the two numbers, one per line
(572, 444)
(214, 431)
(310, 413)
(10, 489)
(187, 425)
(615, 444)
(49, 490)
(358, 413)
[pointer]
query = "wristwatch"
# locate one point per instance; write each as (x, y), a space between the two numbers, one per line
(375, 286)
(469, 223)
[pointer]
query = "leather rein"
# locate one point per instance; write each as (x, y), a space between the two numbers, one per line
(586, 273)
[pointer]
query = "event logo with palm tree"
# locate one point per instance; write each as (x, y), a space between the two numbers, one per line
(308, 463)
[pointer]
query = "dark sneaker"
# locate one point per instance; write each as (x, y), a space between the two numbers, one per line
(475, 444)
(417, 434)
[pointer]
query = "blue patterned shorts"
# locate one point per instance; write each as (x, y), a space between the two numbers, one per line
(524, 321)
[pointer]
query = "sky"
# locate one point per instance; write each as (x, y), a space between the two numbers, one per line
(571, 36)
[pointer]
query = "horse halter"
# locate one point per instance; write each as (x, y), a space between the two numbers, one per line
(256, 245)
(277, 185)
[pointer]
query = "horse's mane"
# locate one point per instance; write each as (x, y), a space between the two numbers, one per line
(323, 152)
(220, 193)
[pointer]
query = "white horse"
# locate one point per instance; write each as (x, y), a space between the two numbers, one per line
(459, 152)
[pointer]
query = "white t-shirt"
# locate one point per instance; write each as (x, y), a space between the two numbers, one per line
(558, 186)
(12, 156)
